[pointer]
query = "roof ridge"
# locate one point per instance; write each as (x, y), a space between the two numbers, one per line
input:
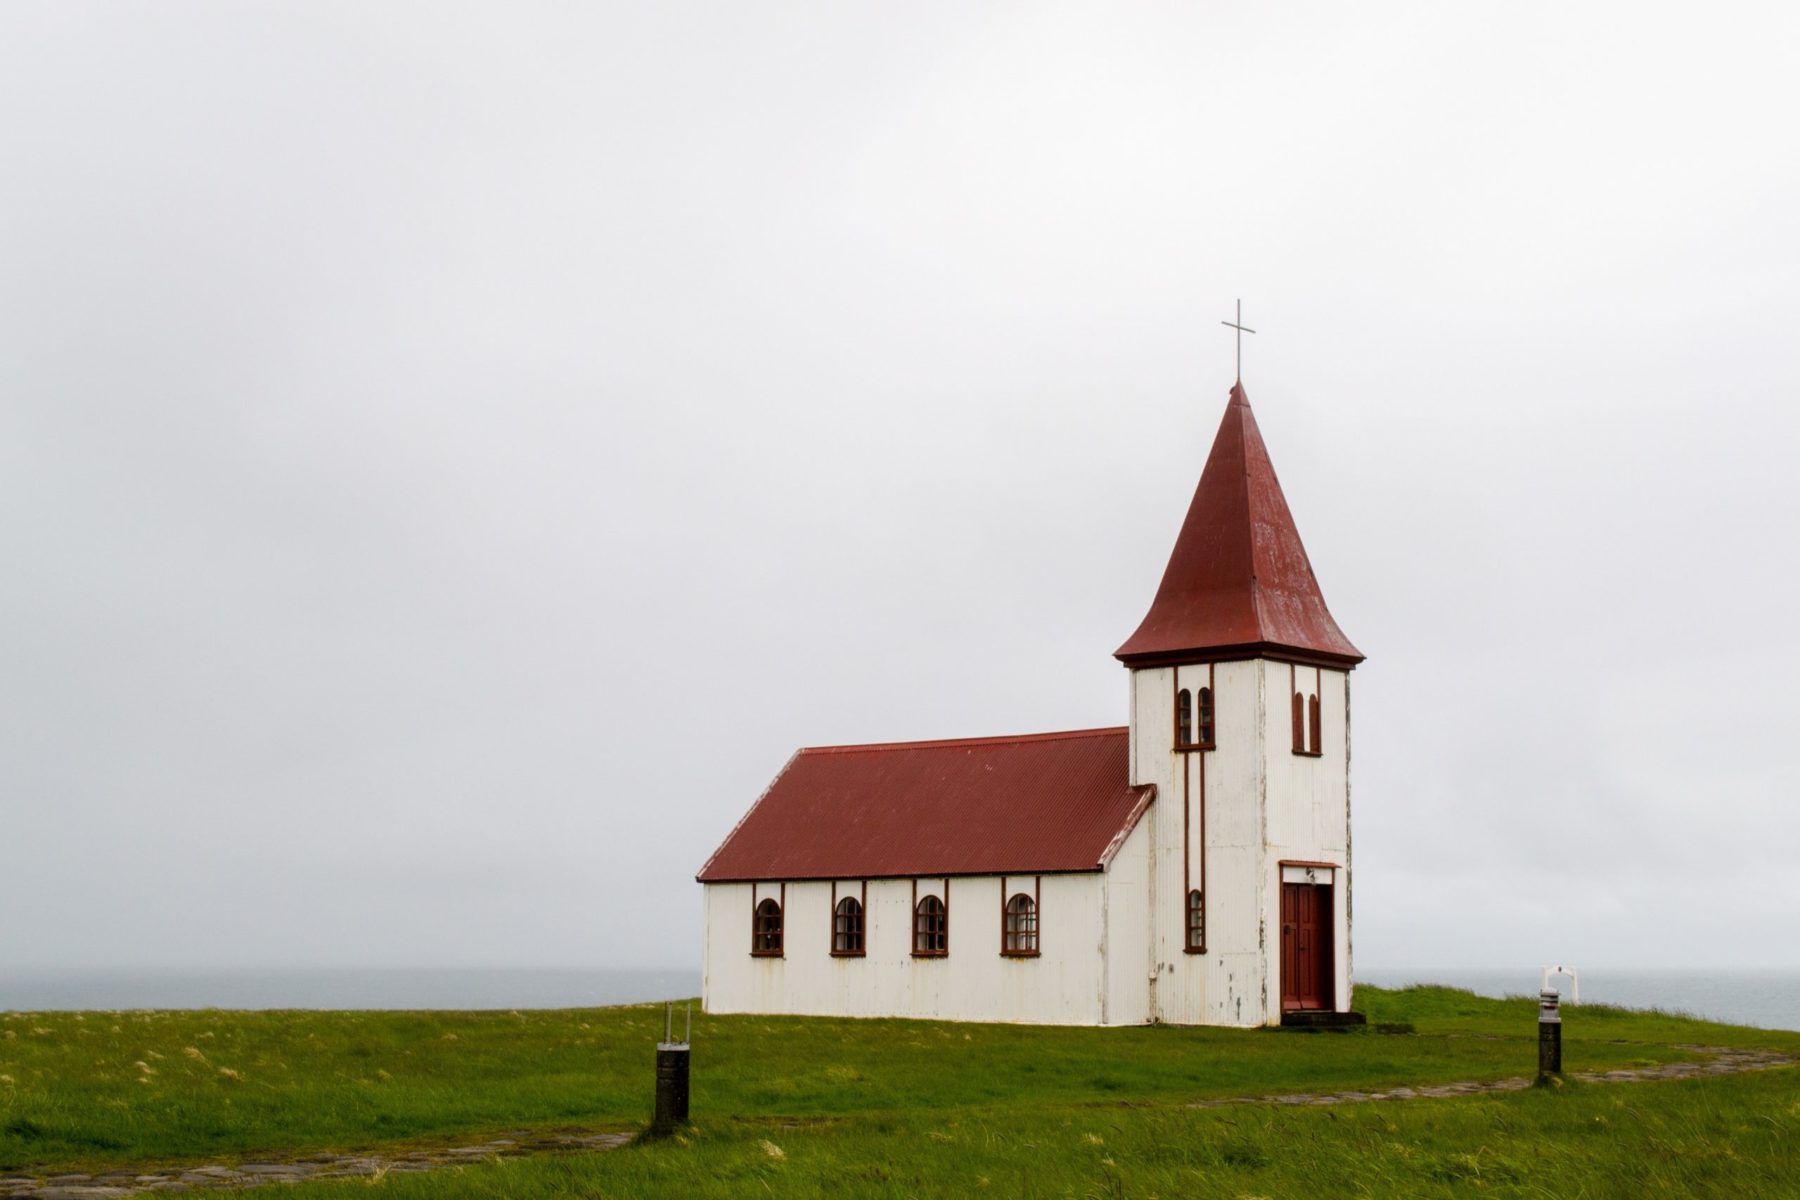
(997, 740)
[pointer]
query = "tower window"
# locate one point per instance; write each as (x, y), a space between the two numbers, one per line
(765, 929)
(847, 927)
(1306, 724)
(1021, 933)
(1184, 718)
(1206, 718)
(1196, 921)
(931, 928)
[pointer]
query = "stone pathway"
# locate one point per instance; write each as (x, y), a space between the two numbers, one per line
(1720, 1060)
(158, 1180)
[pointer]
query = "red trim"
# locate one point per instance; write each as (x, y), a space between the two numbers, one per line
(1061, 735)
(1037, 920)
(1137, 814)
(1213, 692)
(1187, 852)
(945, 900)
(1268, 650)
(1175, 691)
(1315, 708)
(1301, 862)
(781, 904)
(864, 902)
(700, 876)
(804, 878)
(1186, 921)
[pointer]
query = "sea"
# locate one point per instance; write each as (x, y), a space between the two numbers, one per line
(1766, 997)
(342, 987)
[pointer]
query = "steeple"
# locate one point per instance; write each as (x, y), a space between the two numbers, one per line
(1238, 584)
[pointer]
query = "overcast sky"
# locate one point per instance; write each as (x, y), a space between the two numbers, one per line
(452, 456)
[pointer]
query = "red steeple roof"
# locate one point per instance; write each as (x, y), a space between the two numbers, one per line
(1239, 583)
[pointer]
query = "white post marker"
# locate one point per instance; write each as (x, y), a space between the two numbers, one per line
(1574, 982)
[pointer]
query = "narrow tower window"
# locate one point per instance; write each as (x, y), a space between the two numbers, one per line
(1184, 718)
(1196, 921)
(847, 927)
(931, 928)
(765, 936)
(1299, 723)
(1312, 723)
(1206, 717)
(1021, 925)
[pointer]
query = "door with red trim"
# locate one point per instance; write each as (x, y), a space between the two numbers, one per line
(1306, 950)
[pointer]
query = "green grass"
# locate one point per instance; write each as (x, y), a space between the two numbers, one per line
(904, 1108)
(1736, 1137)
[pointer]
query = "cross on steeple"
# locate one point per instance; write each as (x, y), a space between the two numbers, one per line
(1242, 330)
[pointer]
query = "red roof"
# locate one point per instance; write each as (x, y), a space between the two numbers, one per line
(975, 806)
(1238, 583)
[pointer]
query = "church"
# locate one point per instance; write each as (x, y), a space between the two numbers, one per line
(1190, 867)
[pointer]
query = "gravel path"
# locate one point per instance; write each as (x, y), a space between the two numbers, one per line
(131, 1181)
(1719, 1060)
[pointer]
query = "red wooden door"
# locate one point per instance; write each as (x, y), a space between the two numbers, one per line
(1306, 958)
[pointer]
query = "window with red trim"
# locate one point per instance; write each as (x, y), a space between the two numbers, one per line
(931, 927)
(1021, 925)
(765, 935)
(847, 927)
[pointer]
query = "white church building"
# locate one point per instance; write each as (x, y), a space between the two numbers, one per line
(1191, 867)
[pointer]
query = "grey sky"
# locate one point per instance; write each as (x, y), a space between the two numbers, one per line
(452, 455)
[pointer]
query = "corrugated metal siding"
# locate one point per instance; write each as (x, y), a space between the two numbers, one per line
(1226, 985)
(1038, 803)
(1308, 811)
(1127, 885)
(974, 982)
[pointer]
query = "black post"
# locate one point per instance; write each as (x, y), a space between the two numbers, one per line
(1549, 1034)
(671, 1079)
(671, 1088)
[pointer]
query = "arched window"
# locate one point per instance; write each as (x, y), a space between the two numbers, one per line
(1299, 723)
(1206, 717)
(847, 927)
(1312, 723)
(931, 927)
(765, 936)
(1184, 718)
(1196, 921)
(1021, 925)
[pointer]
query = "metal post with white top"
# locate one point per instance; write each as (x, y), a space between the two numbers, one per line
(672, 1076)
(1549, 1033)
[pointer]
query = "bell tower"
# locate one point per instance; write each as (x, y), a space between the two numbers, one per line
(1240, 715)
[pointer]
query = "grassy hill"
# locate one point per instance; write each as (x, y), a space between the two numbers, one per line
(803, 1107)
